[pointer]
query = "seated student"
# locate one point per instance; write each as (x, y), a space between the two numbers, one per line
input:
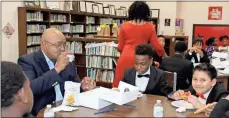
(196, 53)
(16, 94)
(212, 44)
(225, 43)
(157, 59)
(149, 79)
(221, 110)
(49, 68)
(177, 63)
(204, 89)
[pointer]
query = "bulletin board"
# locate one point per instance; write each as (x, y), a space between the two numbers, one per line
(208, 30)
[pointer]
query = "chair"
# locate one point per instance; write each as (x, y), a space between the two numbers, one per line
(171, 78)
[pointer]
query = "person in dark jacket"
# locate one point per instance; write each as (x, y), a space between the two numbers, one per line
(197, 54)
(221, 110)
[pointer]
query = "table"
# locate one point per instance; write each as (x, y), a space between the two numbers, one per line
(144, 108)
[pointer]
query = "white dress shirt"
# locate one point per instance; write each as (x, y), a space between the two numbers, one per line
(203, 101)
(57, 86)
(197, 55)
(143, 81)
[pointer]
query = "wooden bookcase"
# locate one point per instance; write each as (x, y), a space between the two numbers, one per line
(170, 43)
(60, 19)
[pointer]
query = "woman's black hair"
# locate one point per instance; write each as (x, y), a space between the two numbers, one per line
(139, 10)
(210, 41)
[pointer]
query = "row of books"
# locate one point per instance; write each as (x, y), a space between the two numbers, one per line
(35, 28)
(91, 29)
(77, 28)
(33, 49)
(34, 16)
(101, 75)
(75, 47)
(106, 20)
(33, 40)
(105, 48)
(62, 28)
(90, 20)
(99, 62)
(58, 18)
(117, 21)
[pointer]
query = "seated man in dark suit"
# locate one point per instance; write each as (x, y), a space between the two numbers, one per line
(16, 94)
(221, 109)
(204, 89)
(149, 79)
(197, 54)
(49, 68)
(177, 63)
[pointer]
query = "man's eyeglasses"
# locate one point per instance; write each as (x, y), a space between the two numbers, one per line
(58, 45)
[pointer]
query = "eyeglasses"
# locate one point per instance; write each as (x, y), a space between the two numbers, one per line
(58, 45)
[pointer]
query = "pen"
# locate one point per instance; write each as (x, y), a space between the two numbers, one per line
(104, 111)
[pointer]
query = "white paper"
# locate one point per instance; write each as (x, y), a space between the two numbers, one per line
(82, 6)
(72, 89)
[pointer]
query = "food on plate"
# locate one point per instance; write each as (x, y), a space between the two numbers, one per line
(185, 95)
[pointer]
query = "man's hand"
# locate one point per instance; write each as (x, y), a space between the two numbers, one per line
(177, 95)
(88, 84)
(200, 52)
(62, 62)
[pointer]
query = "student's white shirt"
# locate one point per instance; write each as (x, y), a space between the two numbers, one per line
(203, 101)
(143, 81)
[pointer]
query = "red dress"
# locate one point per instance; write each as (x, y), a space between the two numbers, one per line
(130, 36)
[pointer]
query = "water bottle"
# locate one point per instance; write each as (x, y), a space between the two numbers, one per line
(158, 109)
(48, 113)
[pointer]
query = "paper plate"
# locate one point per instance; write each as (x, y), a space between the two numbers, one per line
(182, 103)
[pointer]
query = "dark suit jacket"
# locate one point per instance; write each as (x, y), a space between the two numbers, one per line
(41, 78)
(156, 85)
(204, 59)
(217, 93)
(181, 66)
(221, 110)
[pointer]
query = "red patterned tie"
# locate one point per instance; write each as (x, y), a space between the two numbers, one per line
(201, 96)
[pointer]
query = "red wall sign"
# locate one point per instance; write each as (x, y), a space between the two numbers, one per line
(215, 13)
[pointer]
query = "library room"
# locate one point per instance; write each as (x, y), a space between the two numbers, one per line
(71, 58)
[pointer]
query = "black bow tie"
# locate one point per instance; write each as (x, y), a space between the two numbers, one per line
(146, 75)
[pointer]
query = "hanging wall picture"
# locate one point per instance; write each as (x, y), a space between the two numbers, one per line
(8, 30)
(215, 13)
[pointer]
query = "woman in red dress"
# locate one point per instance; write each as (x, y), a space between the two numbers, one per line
(134, 32)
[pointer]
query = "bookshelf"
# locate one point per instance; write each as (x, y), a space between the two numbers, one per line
(170, 43)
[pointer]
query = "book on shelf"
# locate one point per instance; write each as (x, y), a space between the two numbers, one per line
(91, 29)
(34, 16)
(105, 49)
(105, 20)
(63, 28)
(77, 28)
(58, 18)
(101, 75)
(33, 40)
(74, 47)
(90, 20)
(35, 28)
